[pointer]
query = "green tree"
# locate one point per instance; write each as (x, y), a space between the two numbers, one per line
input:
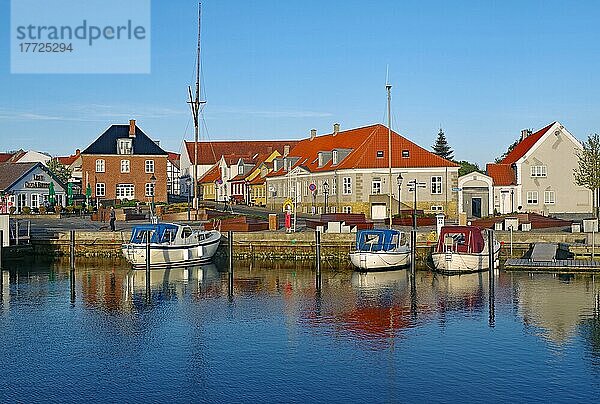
(587, 172)
(467, 167)
(441, 147)
(59, 170)
(510, 148)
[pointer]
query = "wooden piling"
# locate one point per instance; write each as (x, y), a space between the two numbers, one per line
(1, 247)
(230, 266)
(491, 280)
(318, 257)
(413, 251)
(17, 232)
(72, 249)
(148, 263)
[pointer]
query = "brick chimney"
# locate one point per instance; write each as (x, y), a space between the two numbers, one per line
(132, 128)
(313, 134)
(336, 128)
(286, 150)
(525, 133)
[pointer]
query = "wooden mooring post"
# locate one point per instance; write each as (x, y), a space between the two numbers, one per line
(72, 265)
(318, 257)
(413, 251)
(491, 280)
(1, 273)
(148, 263)
(230, 266)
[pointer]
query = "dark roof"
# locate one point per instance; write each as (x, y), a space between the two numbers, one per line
(107, 142)
(13, 172)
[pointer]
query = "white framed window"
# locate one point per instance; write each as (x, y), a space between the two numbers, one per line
(436, 185)
(532, 197)
(332, 209)
(334, 186)
(437, 208)
(149, 166)
(405, 154)
(539, 171)
(241, 169)
(379, 154)
(35, 201)
(100, 166)
(125, 191)
(549, 197)
(347, 185)
(100, 189)
(320, 210)
(347, 209)
(376, 186)
(22, 200)
(125, 166)
(334, 157)
(124, 146)
(304, 188)
(149, 189)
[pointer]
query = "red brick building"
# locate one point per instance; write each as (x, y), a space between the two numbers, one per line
(120, 164)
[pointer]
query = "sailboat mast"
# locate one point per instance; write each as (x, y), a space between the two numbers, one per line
(195, 111)
(388, 87)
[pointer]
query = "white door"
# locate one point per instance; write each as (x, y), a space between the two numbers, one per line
(378, 211)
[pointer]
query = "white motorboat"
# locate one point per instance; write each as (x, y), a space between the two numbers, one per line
(463, 249)
(171, 245)
(380, 250)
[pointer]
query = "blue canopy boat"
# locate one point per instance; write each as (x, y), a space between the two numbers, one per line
(380, 250)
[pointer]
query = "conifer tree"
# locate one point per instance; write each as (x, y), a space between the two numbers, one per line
(441, 147)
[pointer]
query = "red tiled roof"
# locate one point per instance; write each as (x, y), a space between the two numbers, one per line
(211, 175)
(5, 157)
(257, 180)
(502, 174)
(523, 146)
(365, 143)
(174, 156)
(68, 160)
(211, 152)
(239, 177)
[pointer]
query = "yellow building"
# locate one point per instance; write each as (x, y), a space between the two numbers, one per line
(208, 182)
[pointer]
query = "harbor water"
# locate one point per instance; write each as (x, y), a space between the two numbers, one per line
(375, 337)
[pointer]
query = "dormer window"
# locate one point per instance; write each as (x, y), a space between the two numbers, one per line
(241, 169)
(405, 154)
(124, 146)
(320, 159)
(379, 154)
(334, 157)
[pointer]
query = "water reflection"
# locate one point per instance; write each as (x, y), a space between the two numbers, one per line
(373, 307)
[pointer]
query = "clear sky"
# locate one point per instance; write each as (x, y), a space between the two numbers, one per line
(483, 70)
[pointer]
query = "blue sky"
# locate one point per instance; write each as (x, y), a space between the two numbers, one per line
(276, 69)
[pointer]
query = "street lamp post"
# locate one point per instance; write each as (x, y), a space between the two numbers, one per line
(153, 182)
(188, 182)
(325, 193)
(399, 179)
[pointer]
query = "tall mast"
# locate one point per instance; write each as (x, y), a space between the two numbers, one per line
(194, 101)
(388, 87)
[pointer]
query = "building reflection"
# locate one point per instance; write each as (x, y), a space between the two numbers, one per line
(556, 305)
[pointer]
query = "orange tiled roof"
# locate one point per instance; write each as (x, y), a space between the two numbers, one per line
(212, 175)
(211, 152)
(365, 143)
(502, 174)
(68, 160)
(523, 146)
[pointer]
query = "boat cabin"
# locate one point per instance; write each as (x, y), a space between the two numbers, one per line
(462, 239)
(160, 233)
(379, 240)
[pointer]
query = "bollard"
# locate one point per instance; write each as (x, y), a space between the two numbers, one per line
(230, 269)
(413, 251)
(318, 257)
(72, 249)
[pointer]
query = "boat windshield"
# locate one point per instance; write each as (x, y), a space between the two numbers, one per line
(161, 233)
(378, 240)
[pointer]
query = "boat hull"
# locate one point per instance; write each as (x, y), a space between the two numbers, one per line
(459, 263)
(171, 256)
(380, 261)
